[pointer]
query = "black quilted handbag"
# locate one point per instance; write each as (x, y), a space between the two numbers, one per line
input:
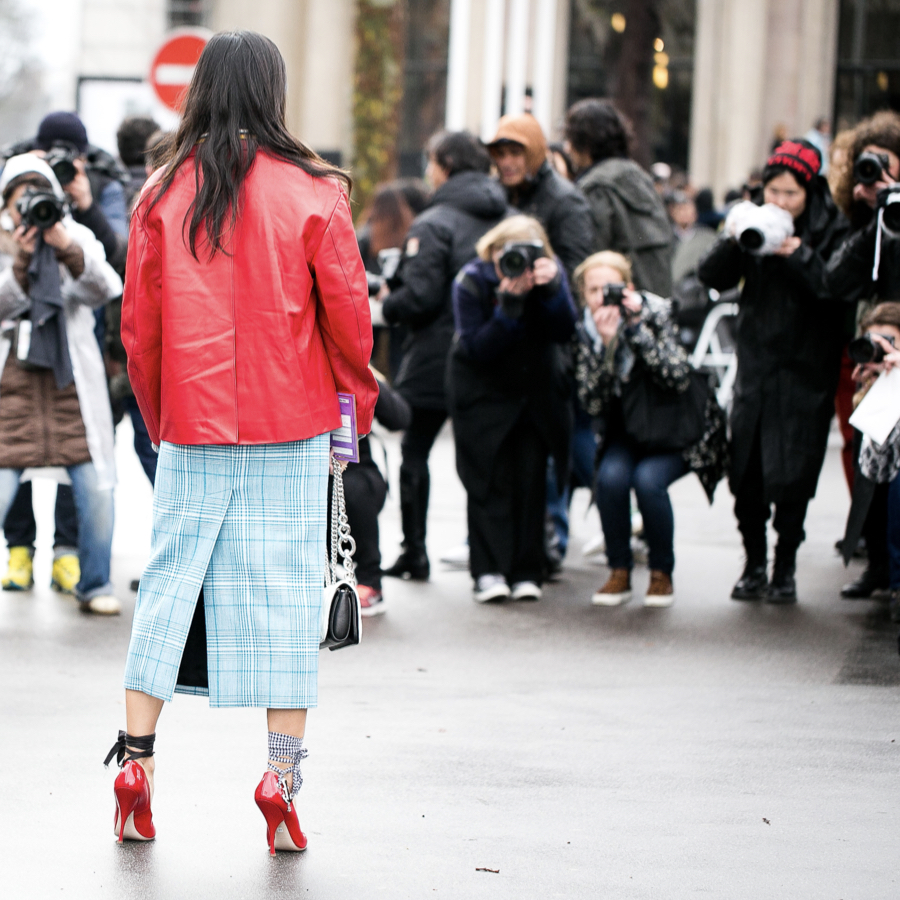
(341, 624)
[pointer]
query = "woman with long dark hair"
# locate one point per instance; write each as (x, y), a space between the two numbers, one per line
(245, 312)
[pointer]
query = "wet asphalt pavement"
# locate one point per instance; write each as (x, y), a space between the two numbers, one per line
(514, 750)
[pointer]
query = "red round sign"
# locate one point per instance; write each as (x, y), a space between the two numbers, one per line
(173, 66)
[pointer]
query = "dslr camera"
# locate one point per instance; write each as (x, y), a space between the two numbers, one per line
(759, 230)
(39, 208)
(864, 350)
(869, 167)
(61, 158)
(613, 294)
(517, 257)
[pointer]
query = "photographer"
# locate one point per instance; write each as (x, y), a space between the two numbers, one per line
(86, 174)
(788, 339)
(881, 464)
(508, 396)
(466, 203)
(630, 368)
(54, 406)
(864, 186)
(868, 178)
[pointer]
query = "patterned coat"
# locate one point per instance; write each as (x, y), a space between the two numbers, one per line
(600, 373)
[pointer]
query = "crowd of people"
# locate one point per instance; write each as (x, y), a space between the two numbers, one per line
(543, 298)
(577, 367)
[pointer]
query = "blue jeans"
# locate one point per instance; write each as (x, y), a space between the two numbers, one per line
(621, 470)
(893, 532)
(584, 451)
(143, 446)
(94, 508)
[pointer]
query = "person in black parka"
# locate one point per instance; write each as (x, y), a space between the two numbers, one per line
(509, 400)
(466, 204)
(789, 338)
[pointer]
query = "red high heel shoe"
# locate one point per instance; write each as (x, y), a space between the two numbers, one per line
(134, 819)
(282, 827)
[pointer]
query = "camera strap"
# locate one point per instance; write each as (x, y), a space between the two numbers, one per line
(879, 235)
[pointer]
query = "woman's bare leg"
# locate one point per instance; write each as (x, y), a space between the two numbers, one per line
(141, 714)
(286, 721)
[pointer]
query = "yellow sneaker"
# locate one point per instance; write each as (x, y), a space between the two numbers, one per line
(66, 573)
(20, 573)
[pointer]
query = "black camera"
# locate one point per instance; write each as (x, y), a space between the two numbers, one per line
(517, 257)
(61, 158)
(889, 203)
(613, 294)
(869, 167)
(39, 208)
(865, 349)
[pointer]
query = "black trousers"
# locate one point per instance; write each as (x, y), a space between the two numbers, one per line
(365, 491)
(21, 529)
(415, 482)
(506, 529)
(752, 512)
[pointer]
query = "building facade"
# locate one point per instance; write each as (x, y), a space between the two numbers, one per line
(708, 82)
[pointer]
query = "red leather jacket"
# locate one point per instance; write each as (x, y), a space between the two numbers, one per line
(252, 346)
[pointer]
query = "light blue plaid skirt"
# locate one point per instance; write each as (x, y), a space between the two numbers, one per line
(247, 524)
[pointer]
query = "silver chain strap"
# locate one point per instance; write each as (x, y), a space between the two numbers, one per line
(342, 542)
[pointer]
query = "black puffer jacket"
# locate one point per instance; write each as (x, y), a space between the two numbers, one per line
(440, 242)
(789, 341)
(563, 211)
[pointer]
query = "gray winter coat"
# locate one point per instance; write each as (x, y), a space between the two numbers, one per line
(629, 217)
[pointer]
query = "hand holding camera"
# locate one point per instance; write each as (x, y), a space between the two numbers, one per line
(618, 303)
(873, 354)
(523, 266)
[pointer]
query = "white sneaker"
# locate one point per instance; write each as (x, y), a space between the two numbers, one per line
(457, 557)
(526, 590)
(616, 591)
(103, 605)
(595, 546)
(490, 587)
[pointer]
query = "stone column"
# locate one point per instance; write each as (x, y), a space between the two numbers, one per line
(758, 64)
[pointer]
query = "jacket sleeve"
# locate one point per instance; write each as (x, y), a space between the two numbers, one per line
(391, 410)
(721, 268)
(421, 296)
(594, 375)
(555, 311)
(342, 314)
(13, 300)
(571, 231)
(98, 283)
(849, 271)
(806, 269)
(142, 323)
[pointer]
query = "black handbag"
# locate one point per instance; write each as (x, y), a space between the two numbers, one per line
(661, 420)
(341, 624)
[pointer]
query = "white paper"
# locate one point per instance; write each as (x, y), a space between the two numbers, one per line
(879, 410)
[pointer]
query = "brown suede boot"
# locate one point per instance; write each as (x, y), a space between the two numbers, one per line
(660, 593)
(616, 591)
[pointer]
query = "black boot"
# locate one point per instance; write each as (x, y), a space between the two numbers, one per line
(874, 578)
(783, 587)
(413, 561)
(754, 582)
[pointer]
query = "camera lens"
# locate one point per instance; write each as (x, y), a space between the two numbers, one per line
(513, 263)
(891, 216)
(65, 171)
(864, 350)
(752, 238)
(44, 214)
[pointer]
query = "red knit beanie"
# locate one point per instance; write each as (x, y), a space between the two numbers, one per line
(799, 157)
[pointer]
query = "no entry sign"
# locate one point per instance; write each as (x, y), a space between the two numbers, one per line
(173, 65)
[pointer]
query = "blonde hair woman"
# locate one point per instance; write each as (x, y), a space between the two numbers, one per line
(509, 400)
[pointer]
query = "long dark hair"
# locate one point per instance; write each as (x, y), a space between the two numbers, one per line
(235, 106)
